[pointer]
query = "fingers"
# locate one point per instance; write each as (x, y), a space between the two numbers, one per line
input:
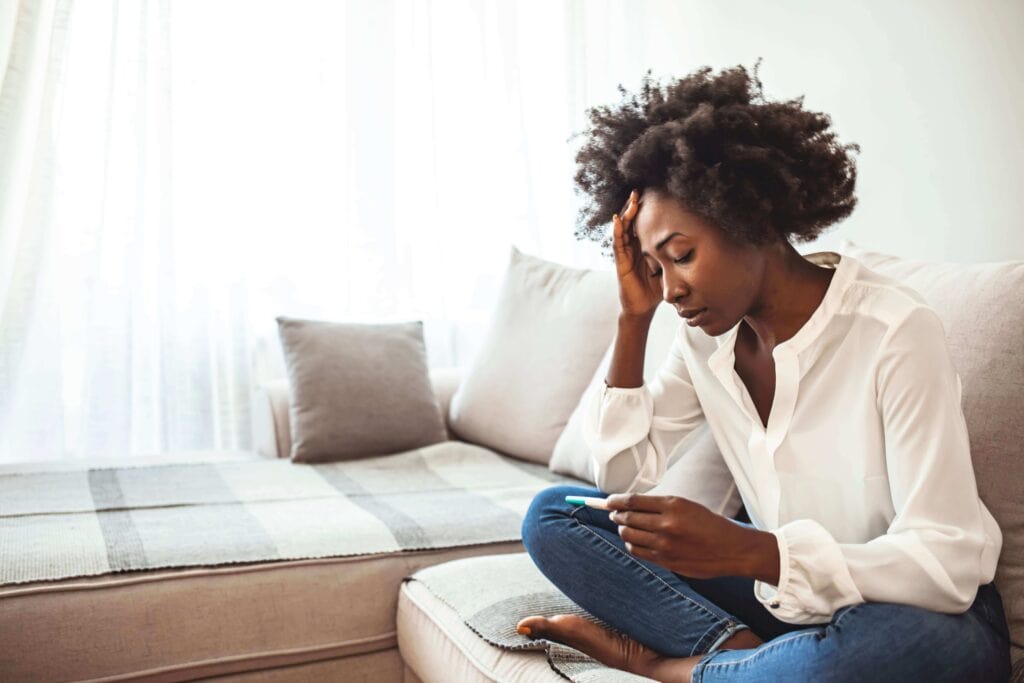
(651, 521)
(636, 501)
(622, 221)
(628, 213)
(639, 538)
(632, 206)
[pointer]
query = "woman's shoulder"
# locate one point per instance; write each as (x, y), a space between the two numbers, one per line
(882, 300)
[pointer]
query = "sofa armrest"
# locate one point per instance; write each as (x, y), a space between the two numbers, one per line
(271, 430)
(445, 381)
(272, 434)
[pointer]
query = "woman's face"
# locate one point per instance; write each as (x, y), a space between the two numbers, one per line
(698, 265)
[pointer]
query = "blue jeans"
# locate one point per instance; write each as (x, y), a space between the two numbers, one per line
(579, 550)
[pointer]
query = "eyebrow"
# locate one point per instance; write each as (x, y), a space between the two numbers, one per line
(659, 245)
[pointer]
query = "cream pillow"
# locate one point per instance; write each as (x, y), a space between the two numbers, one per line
(981, 306)
(550, 326)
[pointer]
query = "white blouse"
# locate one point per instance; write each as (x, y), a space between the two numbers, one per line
(864, 471)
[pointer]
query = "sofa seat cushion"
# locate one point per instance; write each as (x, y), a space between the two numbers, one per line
(90, 521)
(456, 621)
(438, 646)
(184, 622)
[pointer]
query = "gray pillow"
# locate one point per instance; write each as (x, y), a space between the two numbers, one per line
(358, 389)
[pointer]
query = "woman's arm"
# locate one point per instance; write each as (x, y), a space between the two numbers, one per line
(627, 366)
(632, 430)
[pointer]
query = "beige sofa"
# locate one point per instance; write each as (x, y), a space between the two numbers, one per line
(354, 618)
(322, 619)
(982, 307)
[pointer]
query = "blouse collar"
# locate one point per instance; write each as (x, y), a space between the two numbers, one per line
(846, 269)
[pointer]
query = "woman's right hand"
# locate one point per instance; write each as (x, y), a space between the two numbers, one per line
(639, 291)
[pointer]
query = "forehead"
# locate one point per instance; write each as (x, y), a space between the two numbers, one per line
(659, 216)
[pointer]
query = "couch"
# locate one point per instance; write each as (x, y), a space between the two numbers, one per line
(437, 644)
(365, 617)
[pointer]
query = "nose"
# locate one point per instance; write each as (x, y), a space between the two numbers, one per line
(672, 289)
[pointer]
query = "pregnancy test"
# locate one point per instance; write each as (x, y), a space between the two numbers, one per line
(598, 503)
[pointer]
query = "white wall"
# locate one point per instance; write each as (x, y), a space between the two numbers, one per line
(930, 89)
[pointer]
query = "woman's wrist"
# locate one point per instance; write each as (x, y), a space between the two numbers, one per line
(764, 562)
(642, 320)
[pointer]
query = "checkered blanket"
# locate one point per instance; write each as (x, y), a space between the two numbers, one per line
(89, 521)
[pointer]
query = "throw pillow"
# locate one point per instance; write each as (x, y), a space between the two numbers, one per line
(550, 326)
(358, 389)
(981, 306)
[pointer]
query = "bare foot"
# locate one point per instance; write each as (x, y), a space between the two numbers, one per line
(620, 651)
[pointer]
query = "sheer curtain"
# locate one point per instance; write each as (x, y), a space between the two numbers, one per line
(177, 174)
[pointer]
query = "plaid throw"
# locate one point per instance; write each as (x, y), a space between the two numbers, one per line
(56, 525)
(492, 609)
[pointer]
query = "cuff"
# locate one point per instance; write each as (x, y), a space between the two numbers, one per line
(766, 593)
(627, 391)
(814, 578)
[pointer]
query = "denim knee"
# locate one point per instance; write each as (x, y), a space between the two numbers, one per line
(546, 507)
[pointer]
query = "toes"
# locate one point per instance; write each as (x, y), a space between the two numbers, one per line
(563, 628)
(576, 632)
(535, 627)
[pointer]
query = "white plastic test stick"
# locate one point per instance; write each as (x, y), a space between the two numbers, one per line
(598, 503)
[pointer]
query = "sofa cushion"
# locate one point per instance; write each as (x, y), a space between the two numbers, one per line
(358, 389)
(437, 646)
(454, 625)
(981, 306)
(550, 326)
(189, 622)
(185, 624)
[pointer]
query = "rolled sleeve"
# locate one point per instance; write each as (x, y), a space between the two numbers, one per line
(814, 580)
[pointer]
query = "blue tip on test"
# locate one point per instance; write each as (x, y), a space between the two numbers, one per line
(598, 503)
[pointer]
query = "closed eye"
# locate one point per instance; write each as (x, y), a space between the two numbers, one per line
(685, 257)
(682, 259)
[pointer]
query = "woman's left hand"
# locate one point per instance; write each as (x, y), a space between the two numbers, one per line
(681, 535)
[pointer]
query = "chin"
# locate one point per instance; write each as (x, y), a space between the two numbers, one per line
(715, 328)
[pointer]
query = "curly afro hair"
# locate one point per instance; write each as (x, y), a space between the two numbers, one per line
(760, 171)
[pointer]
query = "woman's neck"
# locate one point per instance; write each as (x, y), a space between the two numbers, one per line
(791, 290)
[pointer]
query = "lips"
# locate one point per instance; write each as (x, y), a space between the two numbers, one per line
(694, 317)
(689, 313)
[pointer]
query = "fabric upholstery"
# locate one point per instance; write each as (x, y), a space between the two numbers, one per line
(358, 389)
(271, 431)
(981, 306)
(272, 434)
(550, 326)
(438, 646)
(477, 615)
(205, 621)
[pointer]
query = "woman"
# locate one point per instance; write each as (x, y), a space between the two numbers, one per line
(830, 394)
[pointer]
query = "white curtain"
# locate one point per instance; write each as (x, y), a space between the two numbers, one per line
(173, 175)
